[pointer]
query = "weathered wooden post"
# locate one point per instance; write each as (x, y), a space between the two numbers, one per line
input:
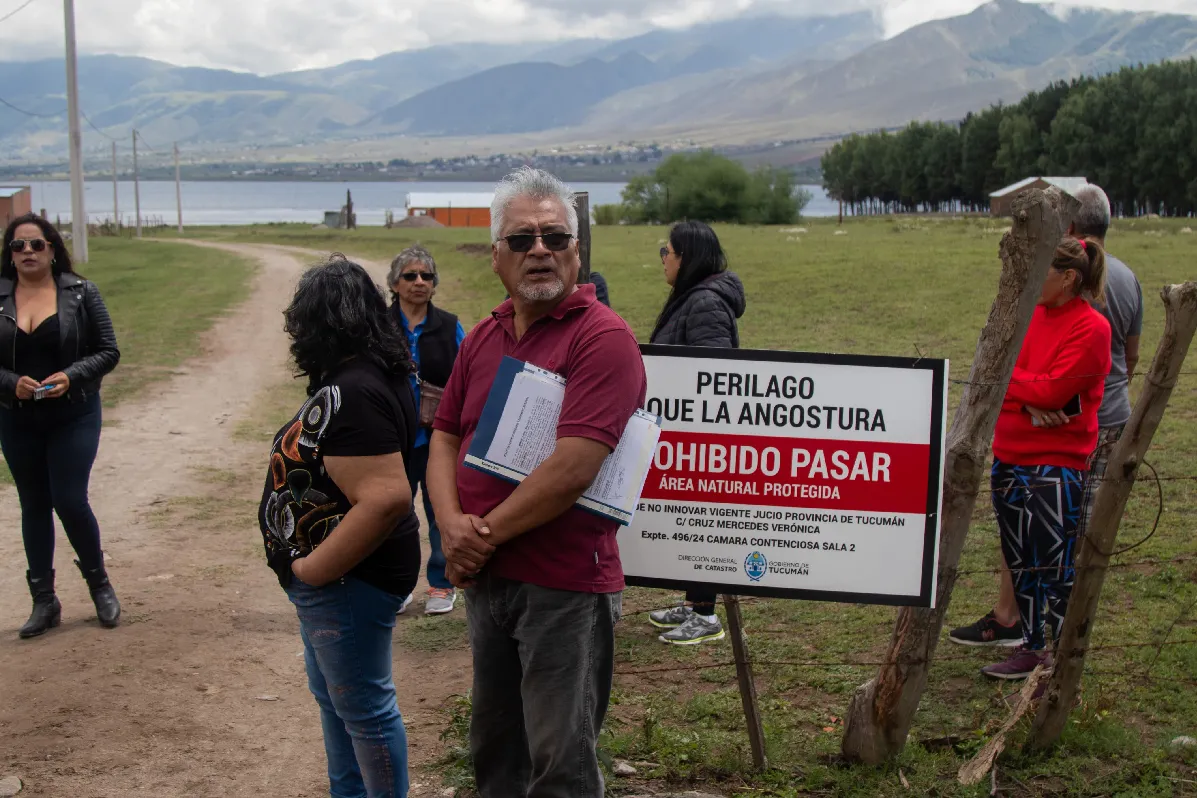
(747, 682)
(1180, 305)
(583, 206)
(882, 710)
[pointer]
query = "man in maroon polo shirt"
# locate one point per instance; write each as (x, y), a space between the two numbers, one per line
(543, 579)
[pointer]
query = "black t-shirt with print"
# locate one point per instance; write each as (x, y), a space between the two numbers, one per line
(358, 412)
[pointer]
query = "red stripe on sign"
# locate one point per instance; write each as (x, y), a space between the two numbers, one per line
(790, 472)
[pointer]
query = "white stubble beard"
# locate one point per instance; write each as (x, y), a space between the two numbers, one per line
(543, 292)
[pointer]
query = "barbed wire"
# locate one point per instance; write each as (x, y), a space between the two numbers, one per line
(1151, 562)
(1109, 566)
(880, 663)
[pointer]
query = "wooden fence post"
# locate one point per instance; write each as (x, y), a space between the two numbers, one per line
(747, 681)
(1180, 305)
(583, 206)
(882, 710)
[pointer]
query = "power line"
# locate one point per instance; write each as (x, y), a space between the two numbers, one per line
(93, 126)
(16, 11)
(144, 143)
(31, 113)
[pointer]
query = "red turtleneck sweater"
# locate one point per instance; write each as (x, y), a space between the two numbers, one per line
(1066, 353)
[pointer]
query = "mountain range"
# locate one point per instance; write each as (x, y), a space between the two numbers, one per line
(747, 80)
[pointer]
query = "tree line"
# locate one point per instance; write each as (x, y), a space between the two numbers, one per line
(1133, 132)
(708, 187)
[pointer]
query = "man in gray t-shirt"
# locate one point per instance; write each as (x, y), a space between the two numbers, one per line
(1124, 310)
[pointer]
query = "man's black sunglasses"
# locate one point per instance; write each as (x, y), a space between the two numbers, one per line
(411, 276)
(523, 242)
(36, 244)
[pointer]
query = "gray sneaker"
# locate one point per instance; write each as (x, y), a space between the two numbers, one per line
(403, 607)
(695, 630)
(670, 618)
(440, 601)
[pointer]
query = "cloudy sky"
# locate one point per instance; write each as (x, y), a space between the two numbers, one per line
(278, 35)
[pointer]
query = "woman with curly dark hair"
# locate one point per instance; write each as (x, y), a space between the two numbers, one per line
(56, 346)
(337, 520)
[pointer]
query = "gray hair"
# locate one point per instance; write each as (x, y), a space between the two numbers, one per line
(534, 183)
(1093, 218)
(413, 254)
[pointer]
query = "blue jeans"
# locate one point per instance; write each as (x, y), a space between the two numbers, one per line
(50, 447)
(417, 475)
(346, 629)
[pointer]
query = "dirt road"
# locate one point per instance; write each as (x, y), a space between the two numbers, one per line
(201, 691)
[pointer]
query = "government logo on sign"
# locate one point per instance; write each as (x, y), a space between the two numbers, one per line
(756, 566)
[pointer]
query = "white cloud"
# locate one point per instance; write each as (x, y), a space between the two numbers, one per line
(278, 35)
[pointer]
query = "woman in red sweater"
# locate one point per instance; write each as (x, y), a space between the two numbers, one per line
(1045, 434)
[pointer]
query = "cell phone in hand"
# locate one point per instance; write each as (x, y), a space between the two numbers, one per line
(1071, 409)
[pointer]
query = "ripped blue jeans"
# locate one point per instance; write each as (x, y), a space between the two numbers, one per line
(346, 629)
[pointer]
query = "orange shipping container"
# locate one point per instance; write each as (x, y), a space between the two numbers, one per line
(452, 209)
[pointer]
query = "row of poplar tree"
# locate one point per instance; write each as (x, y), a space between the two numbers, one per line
(1133, 132)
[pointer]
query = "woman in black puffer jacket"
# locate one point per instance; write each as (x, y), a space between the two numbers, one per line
(701, 310)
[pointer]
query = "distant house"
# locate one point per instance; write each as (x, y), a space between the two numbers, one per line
(452, 209)
(999, 201)
(15, 201)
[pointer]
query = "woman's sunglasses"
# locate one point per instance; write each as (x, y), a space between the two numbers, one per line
(410, 277)
(36, 244)
(553, 242)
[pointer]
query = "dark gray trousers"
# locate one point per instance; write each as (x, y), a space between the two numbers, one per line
(543, 663)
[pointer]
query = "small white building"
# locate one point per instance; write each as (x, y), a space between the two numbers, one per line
(999, 201)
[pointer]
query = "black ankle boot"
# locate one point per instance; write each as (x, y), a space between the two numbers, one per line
(47, 612)
(108, 609)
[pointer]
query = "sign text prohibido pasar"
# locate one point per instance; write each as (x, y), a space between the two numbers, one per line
(792, 475)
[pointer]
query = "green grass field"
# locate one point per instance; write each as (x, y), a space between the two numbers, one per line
(161, 297)
(900, 287)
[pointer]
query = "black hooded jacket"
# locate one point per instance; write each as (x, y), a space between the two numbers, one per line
(705, 315)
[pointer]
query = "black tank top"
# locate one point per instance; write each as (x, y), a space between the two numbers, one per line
(38, 351)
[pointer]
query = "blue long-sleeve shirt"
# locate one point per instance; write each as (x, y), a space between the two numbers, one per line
(413, 338)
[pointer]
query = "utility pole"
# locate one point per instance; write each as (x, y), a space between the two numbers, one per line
(116, 202)
(78, 210)
(178, 189)
(136, 186)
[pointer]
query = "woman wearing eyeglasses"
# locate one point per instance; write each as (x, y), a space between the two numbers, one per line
(703, 305)
(433, 338)
(56, 345)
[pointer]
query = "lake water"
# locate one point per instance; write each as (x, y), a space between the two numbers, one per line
(252, 202)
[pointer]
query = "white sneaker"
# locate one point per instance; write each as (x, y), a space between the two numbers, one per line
(403, 607)
(440, 601)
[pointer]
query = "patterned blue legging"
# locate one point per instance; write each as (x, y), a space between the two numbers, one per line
(1038, 512)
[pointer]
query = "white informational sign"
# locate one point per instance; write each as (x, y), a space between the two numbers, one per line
(792, 475)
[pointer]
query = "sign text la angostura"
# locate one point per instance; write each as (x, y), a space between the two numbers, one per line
(792, 475)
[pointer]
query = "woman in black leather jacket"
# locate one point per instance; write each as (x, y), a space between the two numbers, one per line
(56, 345)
